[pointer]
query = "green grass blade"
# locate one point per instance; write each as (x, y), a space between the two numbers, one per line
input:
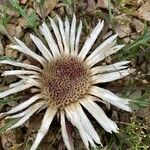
(8, 125)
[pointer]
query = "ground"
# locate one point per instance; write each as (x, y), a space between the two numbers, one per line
(131, 20)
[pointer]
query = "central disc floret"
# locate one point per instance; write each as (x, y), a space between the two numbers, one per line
(64, 81)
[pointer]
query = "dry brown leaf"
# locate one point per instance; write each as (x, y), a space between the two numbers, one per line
(138, 25)
(91, 5)
(22, 22)
(122, 26)
(18, 31)
(11, 138)
(143, 112)
(144, 12)
(104, 4)
(122, 30)
(4, 2)
(11, 29)
(10, 53)
(49, 5)
(23, 1)
(134, 2)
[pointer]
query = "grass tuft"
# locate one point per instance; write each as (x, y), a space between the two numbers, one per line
(31, 20)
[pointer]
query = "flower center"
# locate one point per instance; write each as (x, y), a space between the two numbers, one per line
(64, 81)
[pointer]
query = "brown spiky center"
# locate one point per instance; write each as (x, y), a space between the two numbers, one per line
(64, 81)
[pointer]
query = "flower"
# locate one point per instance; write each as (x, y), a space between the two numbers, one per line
(66, 79)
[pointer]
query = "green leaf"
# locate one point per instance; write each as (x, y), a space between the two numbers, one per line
(4, 19)
(132, 50)
(6, 58)
(5, 101)
(141, 102)
(31, 20)
(140, 41)
(8, 125)
(68, 2)
(17, 8)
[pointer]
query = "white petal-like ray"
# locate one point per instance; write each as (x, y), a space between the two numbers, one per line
(18, 72)
(110, 97)
(46, 122)
(104, 55)
(12, 85)
(87, 124)
(35, 90)
(15, 90)
(108, 68)
(90, 41)
(85, 130)
(23, 65)
(49, 38)
(28, 77)
(42, 48)
(112, 51)
(33, 82)
(107, 77)
(102, 48)
(24, 104)
(99, 115)
(24, 49)
(72, 35)
(71, 115)
(27, 114)
(108, 43)
(23, 81)
(78, 38)
(17, 115)
(57, 35)
(67, 30)
(75, 119)
(65, 136)
(61, 28)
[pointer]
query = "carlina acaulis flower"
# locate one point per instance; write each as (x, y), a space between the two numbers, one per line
(67, 81)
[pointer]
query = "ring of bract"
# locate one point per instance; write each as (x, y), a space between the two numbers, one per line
(64, 81)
